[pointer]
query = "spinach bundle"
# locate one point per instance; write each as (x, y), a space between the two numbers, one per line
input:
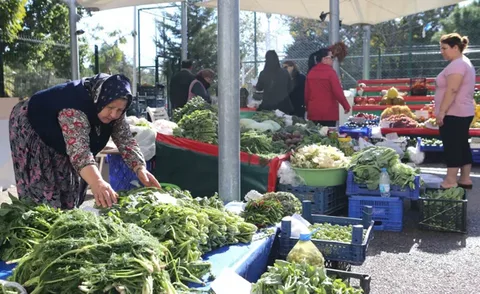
(23, 226)
(84, 253)
(255, 143)
(300, 278)
(368, 163)
(196, 103)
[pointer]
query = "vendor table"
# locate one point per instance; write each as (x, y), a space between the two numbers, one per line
(248, 260)
(422, 132)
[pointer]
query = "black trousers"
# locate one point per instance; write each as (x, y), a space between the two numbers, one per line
(454, 134)
(326, 123)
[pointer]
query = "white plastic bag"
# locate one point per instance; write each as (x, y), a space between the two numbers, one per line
(288, 176)
(299, 225)
(145, 138)
(416, 156)
(362, 143)
(393, 145)
(253, 195)
(165, 127)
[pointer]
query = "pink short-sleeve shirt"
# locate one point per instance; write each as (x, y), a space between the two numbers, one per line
(463, 103)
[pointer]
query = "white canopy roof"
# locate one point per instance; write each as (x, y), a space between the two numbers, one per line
(351, 11)
(112, 4)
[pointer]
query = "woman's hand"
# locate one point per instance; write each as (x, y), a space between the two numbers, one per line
(146, 178)
(103, 193)
(440, 118)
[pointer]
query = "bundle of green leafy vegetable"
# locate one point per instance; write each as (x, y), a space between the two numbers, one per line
(188, 227)
(285, 277)
(264, 115)
(330, 232)
(263, 213)
(256, 143)
(200, 125)
(22, 226)
(196, 103)
(443, 209)
(368, 163)
(290, 203)
(84, 253)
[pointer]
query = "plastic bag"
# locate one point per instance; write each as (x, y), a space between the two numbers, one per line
(253, 195)
(298, 226)
(288, 176)
(145, 138)
(164, 127)
(393, 145)
(306, 251)
(416, 156)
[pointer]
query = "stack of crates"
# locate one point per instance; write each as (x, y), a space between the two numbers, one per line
(387, 211)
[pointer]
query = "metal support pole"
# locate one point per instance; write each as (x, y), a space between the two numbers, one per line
(97, 66)
(334, 28)
(139, 82)
(269, 41)
(73, 40)
(229, 105)
(184, 30)
(134, 36)
(367, 33)
(2, 68)
(255, 45)
(379, 64)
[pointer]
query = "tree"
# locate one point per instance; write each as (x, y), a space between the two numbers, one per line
(12, 13)
(463, 20)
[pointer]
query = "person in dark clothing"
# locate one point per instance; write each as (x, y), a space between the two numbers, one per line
(297, 96)
(276, 84)
(200, 85)
(180, 83)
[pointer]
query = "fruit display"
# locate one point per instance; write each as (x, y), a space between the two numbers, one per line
(362, 120)
(356, 125)
(401, 121)
(475, 122)
(393, 97)
(395, 110)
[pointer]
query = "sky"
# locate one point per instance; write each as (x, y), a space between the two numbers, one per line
(279, 32)
(280, 36)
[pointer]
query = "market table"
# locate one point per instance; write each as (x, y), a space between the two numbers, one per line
(248, 260)
(422, 132)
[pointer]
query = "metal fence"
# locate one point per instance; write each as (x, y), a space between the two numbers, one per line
(30, 65)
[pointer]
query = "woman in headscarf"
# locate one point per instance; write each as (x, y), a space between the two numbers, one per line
(276, 84)
(56, 134)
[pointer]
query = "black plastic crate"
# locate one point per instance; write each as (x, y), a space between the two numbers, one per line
(363, 280)
(443, 215)
(325, 200)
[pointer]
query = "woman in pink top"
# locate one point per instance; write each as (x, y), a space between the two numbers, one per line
(455, 109)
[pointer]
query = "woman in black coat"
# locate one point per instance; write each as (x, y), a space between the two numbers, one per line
(297, 96)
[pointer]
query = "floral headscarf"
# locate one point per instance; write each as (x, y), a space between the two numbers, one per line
(104, 88)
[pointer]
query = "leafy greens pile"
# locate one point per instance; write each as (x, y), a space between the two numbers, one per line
(84, 253)
(285, 277)
(368, 163)
(23, 226)
(200, 125)
(196, 103)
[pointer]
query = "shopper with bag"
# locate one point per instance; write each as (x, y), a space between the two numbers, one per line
(276, 84)
(201, 84)
(55, 135)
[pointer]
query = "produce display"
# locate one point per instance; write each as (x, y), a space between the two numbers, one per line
(329, 232)
(395, 110)
(263, 213)
(196, 103)
(306, 251)
(23, 226)
(199, 125)
(188, 227)
(401, 121)
(300, 278)
(290, 203)
(393, 97)
(261, 116)
(256, 143)
(318, 157)
(432, 142)
(443, 215)
(84, 253)
(367, 164)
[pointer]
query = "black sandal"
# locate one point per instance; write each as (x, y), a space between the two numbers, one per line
(466, 187)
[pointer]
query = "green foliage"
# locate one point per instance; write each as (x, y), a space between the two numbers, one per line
(12, 13)
(462, 20)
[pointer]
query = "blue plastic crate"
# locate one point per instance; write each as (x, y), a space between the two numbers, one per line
(476, 155)
(120, 176)
(424, 148)
(395, 191)
(353, 253)
(325, 200)
(387, 212)
(356, 133)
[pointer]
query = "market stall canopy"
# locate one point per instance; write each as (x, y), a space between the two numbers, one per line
(351, 11)
(112, 4)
